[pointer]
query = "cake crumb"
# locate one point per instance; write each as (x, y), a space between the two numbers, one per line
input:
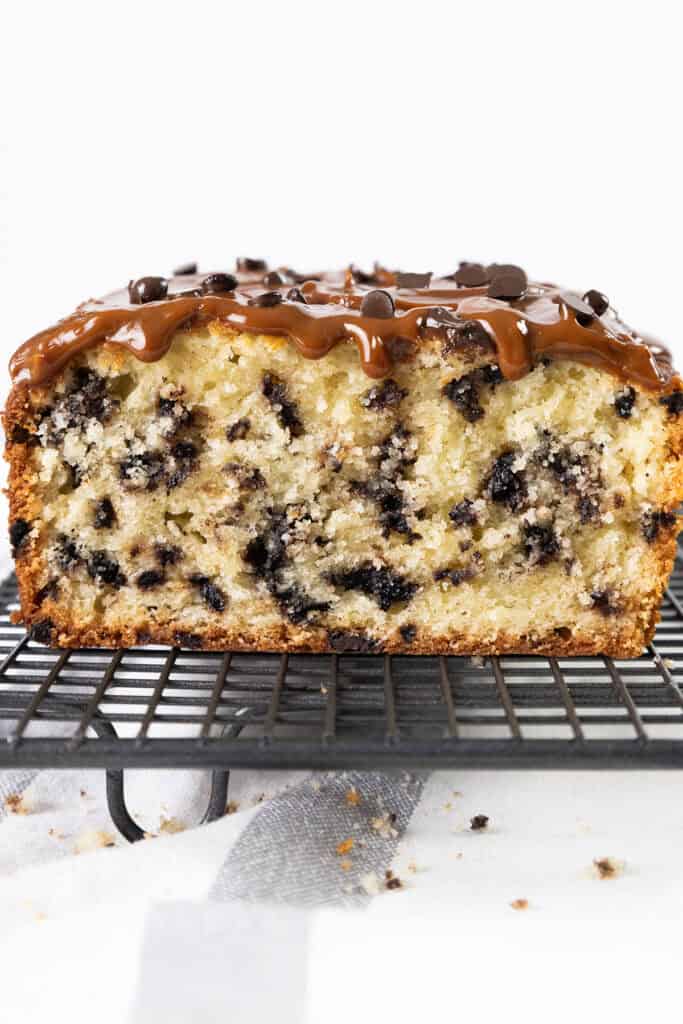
(353, 797)
(346, 864)
(232, 807)
(93, 839)
(412, 867)
(384, 825)
(344, 847)
(392, 881)
(170, 826)
(84, 793)
(608, 867)
(15, 803)
(479, 822)
(520, 904)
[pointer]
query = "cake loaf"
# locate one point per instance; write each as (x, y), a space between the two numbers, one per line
(354, 461)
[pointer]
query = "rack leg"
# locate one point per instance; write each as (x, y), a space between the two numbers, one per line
(130, 829)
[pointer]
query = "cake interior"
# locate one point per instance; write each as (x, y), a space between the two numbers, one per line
(235, 490)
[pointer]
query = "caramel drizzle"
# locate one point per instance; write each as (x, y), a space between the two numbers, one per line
(538, 325)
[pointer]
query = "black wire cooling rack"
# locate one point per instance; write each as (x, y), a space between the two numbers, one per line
(156, 707)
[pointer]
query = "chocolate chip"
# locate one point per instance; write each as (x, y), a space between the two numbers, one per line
(184, 269)
(673, 402)
(67, 554)
(605, 602)
(296, 295)
(274, 279)
(18, 532)
(464, 391)
(584, 312)
(598, 302)
(505, 485)
(383, 585)
(377, 305)
(238, 430)
(167, 554)
(463, 513)
(266, 299)
(249, 478)
(540, 544)
(653, 521)
(454, 576)
(275, 391)
(248, 265)
(190, 641)
(41, 632)
(383, 396)
(589, 510)
(104, 569)
(507, 281)
(20, 435)
(362, 276)
(50, 590)
(471, 275)
(344, 642)
(149, 579)
(624, 402)
(105, 514)
(408, 632)
(141, 472)
(479, 822)
(217, 284)
(210, 593)
(413, 280)
(147, 289)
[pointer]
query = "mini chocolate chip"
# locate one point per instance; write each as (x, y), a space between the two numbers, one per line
(362, 276)
(673, 402)
(41, 632)
(624, 402)
(345, 642)
(49, 590)
(167, 554)
(210, 593)
(147, 289)
(413, 280)
(18, 532)
(238, 430)
(471, 275)
(378, 305)
(296, 295)
(540, 543)
(505, 485)
(190, 641)
(598, 302)
(605, 602)
(266, 299)
(507, 281)
(248, 265)
(463, 513)
(584, 312)
(105, 515)
(216, 284)
(408, 632)
(150, 578)
(653, 521)
(20, 435)
(185, 268)
(384, 395)
(274, 279)
(275, 391)
(104, 569)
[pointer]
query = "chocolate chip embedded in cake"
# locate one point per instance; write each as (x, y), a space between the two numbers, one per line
(354, 463)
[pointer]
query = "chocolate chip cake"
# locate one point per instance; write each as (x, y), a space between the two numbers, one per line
(361, 461)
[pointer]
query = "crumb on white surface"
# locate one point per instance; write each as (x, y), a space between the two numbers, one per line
(384, 825)
(608, 867)
(16, 803)
(169, 826)
(93, 839)
(520, 904)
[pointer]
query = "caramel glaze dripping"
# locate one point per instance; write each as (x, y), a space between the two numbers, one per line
(538, 325)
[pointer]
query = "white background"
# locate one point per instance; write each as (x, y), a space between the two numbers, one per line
(139, 135)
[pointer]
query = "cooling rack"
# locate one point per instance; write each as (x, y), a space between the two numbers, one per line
(158, 707)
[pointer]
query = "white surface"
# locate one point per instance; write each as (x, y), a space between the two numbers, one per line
(138, 136)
